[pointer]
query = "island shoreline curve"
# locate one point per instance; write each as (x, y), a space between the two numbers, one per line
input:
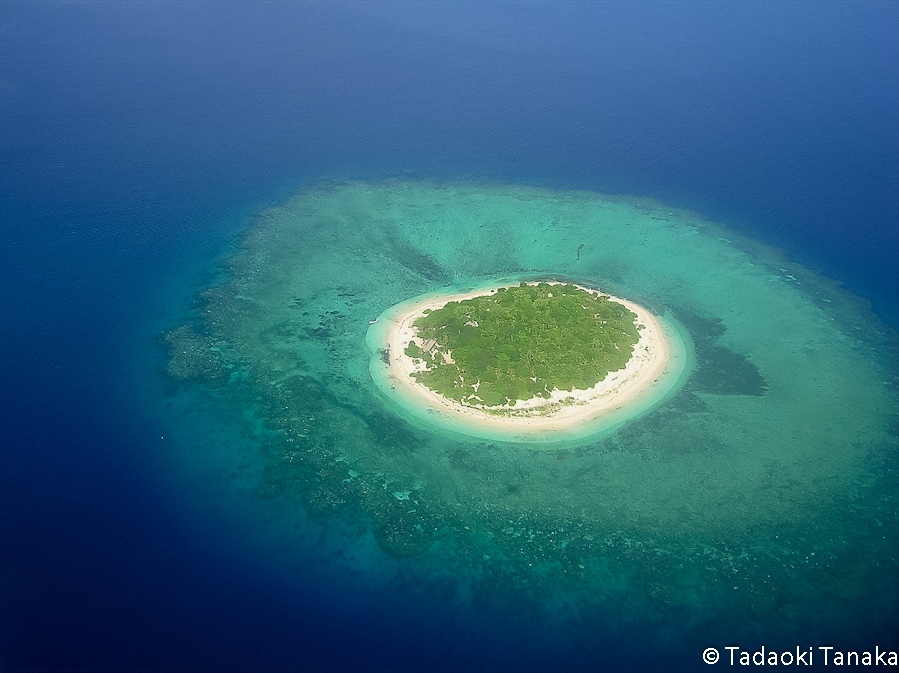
(651, 375)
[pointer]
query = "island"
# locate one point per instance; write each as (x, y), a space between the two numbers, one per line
(530, 358)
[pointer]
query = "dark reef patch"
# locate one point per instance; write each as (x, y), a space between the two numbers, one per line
(723, 372)
(719, 370)
(195, 357)
(387, 429)
(410, 257)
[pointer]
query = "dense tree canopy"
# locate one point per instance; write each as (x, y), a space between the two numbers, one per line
(522, 342)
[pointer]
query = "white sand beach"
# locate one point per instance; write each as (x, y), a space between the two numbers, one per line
(537, 415)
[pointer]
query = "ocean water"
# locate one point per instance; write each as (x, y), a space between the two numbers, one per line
(203, 205)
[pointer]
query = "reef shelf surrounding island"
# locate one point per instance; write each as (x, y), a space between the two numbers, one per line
(533, 359)
(743, 467)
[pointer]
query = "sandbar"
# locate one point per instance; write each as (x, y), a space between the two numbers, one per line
(537, 418)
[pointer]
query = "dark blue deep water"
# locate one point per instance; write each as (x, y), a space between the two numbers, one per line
(137, 141)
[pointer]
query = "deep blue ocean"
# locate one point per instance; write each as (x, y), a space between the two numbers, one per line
(139, 139)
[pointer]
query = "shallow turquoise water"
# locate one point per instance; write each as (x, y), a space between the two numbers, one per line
(761, 492)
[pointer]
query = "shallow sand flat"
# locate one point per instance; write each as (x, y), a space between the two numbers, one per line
(622, 393)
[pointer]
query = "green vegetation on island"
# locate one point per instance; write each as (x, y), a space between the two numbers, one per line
(522, 342)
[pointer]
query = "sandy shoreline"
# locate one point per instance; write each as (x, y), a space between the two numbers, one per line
(538, 415)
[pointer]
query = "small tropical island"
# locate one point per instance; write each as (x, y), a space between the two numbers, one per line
(519, 343)
(527, 358)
